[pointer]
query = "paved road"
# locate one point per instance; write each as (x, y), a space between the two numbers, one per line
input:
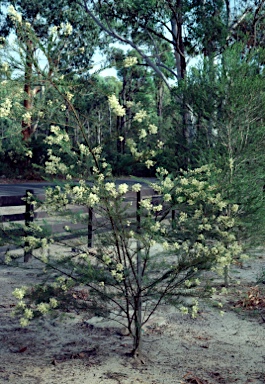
(19, 189)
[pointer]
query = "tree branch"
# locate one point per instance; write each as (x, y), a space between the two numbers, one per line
(124, 40)
(239, 21)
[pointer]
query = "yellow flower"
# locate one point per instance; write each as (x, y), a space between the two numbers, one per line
(146, 203)
(140, 116)
(152, 129)
(111, 188)
(184, 181)
(28, 313)
(54, 30)
(66, 29)
(184, 310)
(235, 208)
(43, 308)
(24, 322)
(19, 293)
(130, 61)
(14, 15)
(106, 259)
(27, 117)
(167, 197)
(119, 267)
(93, 199)
(115, 106)
(188, 283)
(158, 208)
(69, 96)
(149, 163)
(136, 187)
(53, 302)
(5, 108)
(183, 217)
(143, 134)
(5, 67)
(123, 188)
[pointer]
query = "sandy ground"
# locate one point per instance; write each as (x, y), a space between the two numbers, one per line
(79, 350)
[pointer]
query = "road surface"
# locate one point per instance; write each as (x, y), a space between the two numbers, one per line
(19, 189)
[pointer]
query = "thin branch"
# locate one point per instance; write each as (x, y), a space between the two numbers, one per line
(238, 22)
(67, 274)
(124, 40)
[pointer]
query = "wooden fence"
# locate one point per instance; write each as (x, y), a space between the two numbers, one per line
(29, 215)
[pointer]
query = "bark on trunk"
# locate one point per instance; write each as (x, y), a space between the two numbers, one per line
(27, 127)
(160, 98)
(179, 52)
(137, 337)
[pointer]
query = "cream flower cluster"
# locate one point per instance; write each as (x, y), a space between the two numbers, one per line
(136, 187)
(116, 269)
(114, 191)
(14, 15)
(55, 199)
(27, 117)
(115, 106)
(54, 30)
(123, 188)
(2, 42)
(5, 67)
(54, 164)
(202, 212)
(129, 61)
(110, 187)
(140, 116)
(66, 29)
(69, 95)
(5, 108)
(149, 163)
(58, 137)
(28, 313)
(152, 129)
(84, 150)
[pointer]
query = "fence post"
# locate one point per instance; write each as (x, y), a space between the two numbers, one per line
(29, 216)
(138, 216)
(90, 228)
(173, 217)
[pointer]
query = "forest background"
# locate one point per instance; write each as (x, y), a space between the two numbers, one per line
(177, 115)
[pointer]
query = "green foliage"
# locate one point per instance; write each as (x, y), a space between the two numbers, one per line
(228, 99)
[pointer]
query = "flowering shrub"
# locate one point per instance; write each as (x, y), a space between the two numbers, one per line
(131, 270)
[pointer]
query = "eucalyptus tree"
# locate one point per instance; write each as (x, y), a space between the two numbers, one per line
(188, 28)
(39, 19)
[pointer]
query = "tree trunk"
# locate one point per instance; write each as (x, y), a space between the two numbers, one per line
(137, 337)
(179, 52)
(27, 127)
(121, 123)
(160, 98)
